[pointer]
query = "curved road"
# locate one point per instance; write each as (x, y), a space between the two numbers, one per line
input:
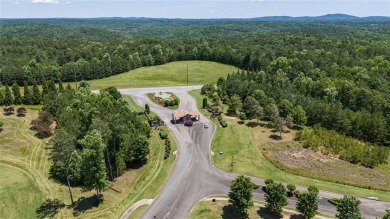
(195, 177)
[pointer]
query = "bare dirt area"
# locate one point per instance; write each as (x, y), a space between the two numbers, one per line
(315, 164)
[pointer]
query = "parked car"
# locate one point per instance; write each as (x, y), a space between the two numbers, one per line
(206, 125)
(188, 123)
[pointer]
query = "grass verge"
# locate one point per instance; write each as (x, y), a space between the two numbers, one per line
(223, 209)
(242, 153)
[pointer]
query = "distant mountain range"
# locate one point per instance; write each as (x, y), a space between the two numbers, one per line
(328, 17)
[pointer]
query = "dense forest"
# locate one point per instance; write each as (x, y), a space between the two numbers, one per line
(336, 74)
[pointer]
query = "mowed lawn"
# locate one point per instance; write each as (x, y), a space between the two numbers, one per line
(242, 154)
(25, 183)
(19, 193)
(170, 74)
(223, 209)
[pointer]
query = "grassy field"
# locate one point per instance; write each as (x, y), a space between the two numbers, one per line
(174, 73)
(24, 167)
(222, 209)
(19, 193)
(242, 146)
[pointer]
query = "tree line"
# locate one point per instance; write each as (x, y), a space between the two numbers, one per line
(276, 198)
(96, 138)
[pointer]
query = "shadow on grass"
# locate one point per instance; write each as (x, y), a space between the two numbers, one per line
(253, 124)
(83, 204)
(266, 214)
(240, 122)
(275, 137)
(49, 208)
(230, 212)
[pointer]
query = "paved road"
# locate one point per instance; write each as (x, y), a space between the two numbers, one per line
(195, 177)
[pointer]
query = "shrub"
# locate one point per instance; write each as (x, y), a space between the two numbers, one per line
(223, 123)
(334, 201)
(291, 189)
(166, 103)
(176, 101)
(42, 124)
(172, 103)
(167, 150)
(163, 134)
(242, 116)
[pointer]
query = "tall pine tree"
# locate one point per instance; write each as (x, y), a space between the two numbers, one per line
(36, 94)
(27, 95)
(18, 99)
(60, 86)
(8, 99)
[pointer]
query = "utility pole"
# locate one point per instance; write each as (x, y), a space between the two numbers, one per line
(187, 74)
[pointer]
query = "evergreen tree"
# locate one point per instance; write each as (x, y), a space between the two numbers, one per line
(52, 86)
(8, 99)
(36, 94)
(60, 86)
(18, 99)
(1, 98)
(241, 193)
(45, 88)
(93, 166)
(27, 95)
(147, 108)
(204, 102)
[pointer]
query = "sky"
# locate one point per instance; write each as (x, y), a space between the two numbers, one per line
(189, 8)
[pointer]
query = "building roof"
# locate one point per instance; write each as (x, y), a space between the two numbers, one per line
(182, 114)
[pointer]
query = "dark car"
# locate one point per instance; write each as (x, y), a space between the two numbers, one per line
(188, 123)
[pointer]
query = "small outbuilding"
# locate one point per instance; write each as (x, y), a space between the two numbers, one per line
(179, 117)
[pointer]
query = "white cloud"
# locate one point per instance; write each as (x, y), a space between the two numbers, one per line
(45, 1)
(16, 3)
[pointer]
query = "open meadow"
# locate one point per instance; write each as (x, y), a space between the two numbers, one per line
(170, 74)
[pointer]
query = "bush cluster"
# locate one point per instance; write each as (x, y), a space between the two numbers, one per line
(349, 149)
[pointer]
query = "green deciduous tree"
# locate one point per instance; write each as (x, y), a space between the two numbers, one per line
(141, 149)
(387, 214)
(250, 106)
(307, 203)
(349, 208)
(74, 167)
(234, 104)
(276, 197)
(299, 115)
(93, 168)
(240, 194)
